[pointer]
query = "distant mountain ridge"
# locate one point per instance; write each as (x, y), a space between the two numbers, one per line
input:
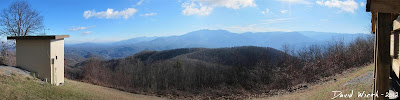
(326, 36)
(203, 39)
(222, 38)
(117, 43)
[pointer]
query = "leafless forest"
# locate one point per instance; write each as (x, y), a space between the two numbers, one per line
(235, 72)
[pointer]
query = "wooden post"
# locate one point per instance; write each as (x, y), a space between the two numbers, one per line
(395, 44)
(382, 54)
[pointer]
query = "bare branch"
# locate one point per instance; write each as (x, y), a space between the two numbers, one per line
(19, 19)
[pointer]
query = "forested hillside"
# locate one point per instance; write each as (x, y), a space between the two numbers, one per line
(235, 72)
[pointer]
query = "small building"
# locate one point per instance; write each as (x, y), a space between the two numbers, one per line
(42, 55)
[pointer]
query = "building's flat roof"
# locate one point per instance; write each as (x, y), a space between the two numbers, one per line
(39, 37)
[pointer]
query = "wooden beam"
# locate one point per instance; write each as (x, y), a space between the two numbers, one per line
(395, 66)
(368, 6)
(394, 45)
(382, 51)
(374, 16)
(384, 6)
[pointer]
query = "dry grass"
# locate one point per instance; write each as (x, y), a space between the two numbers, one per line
(323, 91)
(105, 93)
(15, 87)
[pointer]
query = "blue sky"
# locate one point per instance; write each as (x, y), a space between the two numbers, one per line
(113, 20)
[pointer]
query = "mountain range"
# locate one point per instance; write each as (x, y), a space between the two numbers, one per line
(203, 39)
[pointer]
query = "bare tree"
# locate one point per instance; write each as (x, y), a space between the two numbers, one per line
(19, 19)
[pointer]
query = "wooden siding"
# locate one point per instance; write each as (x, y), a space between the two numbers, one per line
(383, 61)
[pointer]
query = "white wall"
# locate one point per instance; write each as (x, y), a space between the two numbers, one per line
(57, 53)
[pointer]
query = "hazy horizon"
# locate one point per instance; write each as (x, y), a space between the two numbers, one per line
(118, 40)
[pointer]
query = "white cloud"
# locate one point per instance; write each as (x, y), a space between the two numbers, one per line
(205, 7)
(88, 32)
(266, 11)
(297, 2)
(348, 5)
(362, 4)
(81, 28)
(234, 4)
(149, 14)
(139, 3)
(194, 9)
(284, 11)
(110, 13)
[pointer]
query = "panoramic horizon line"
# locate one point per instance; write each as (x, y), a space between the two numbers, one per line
(112, 41)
